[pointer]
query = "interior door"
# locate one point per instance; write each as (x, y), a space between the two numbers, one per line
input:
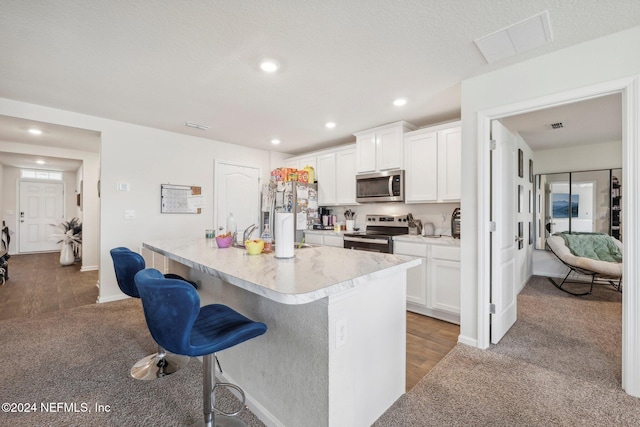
(504, 239)
(41, 205)
(238, 192)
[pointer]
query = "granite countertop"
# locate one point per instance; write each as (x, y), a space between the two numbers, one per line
(313, 273)
(442, 240)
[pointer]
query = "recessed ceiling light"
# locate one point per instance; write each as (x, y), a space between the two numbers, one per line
(399, 102)
(269, 66)
(330, 125)
(40, 162)
(34, 131)
(275, 141)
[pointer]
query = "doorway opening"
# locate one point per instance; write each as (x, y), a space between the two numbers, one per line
(628, 89)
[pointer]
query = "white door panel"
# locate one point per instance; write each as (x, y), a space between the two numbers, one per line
(504, 247)
(41, 205)
(238, 192)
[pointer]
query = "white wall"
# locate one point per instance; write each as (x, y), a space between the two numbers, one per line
(144, 158)
(599, 61)
(605, 155)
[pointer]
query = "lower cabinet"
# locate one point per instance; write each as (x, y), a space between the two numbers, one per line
(433, 288)
(324, 239)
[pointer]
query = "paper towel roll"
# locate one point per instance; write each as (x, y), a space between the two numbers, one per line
(284, 235)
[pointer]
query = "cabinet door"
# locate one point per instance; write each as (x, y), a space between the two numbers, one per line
(307, 161)
(335, 241)
(292, 162)
(389, 148)
(444, 285)
(449, 164)
(416, 276)
(366, 152)
(346, 176)
(313, 238)
(326, 171)
(421, 167)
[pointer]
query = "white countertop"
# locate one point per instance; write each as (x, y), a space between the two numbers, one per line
(313, 273)
(442, 240)
(327, 232)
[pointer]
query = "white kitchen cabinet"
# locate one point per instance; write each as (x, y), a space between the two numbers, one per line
(299, 162)
(433, 164)
(325, 239)
(346, 177)
(380, 148)
(449, 164)
(326, 176)
(433, 288)
(443, 281)
(416, 276)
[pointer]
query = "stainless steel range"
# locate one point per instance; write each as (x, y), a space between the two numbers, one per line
(378, 236)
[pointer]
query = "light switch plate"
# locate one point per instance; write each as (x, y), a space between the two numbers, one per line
(123, 186)
(129, 214)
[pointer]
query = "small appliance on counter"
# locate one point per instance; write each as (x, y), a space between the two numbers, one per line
(415, 225)
(455, 223)
(428, 229)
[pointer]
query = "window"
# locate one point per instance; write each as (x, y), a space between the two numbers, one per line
(40, 174)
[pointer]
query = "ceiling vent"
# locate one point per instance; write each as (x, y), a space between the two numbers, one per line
(517, 38)
(558, 125)
(196, 126)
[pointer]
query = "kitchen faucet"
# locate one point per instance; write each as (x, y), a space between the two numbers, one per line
(248, 232)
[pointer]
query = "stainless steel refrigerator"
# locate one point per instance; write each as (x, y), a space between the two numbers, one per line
(291, 196)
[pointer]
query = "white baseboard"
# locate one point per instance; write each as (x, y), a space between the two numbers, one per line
(112, 298)
(88, 268)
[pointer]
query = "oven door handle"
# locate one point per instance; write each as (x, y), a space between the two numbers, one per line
(364, 240)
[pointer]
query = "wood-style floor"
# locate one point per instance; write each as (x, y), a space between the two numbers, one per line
(39, 284)
(428, 341)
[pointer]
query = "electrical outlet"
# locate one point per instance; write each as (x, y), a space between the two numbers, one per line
(341, 332)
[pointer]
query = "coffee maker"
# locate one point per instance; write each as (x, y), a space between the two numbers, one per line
(326, 219)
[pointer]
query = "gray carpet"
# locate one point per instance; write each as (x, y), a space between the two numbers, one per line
(81, 357)
(559, 365)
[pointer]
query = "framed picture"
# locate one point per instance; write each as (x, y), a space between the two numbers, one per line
(520, 163)
(531, 170)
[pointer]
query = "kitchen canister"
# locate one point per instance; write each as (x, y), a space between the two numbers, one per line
(284, 235)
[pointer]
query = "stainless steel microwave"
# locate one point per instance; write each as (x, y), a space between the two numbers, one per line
(387, 186)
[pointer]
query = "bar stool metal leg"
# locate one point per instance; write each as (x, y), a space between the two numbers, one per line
(209, 399)
(158, 365)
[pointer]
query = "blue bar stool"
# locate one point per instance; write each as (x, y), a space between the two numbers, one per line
(127, 263)
(178, 323)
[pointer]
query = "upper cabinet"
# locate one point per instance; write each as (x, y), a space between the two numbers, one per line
(380, 148)
(432, 160)
(335, 172)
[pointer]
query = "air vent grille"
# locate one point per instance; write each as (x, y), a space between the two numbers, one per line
(558, 125)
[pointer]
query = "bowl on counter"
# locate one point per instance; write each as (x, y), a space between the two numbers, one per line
(224, 241)
(254, 247)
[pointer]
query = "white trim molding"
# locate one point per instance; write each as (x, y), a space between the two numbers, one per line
(630, 89)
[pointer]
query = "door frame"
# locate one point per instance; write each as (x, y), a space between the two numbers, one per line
(630, 89)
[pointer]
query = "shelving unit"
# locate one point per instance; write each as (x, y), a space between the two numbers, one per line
(616, 206)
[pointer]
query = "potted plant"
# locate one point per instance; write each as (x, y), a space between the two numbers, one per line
(71, 238)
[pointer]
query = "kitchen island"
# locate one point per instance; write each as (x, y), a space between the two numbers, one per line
(334, 353)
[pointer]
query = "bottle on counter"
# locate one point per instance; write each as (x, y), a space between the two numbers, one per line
(232, 227)
(266, 237)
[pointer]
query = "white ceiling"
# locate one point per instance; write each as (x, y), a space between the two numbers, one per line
(164, 63)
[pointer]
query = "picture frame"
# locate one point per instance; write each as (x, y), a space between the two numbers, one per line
(520, 163)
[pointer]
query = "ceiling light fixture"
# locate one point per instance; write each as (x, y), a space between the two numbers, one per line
(275, 141)
(40, 162)
(399, 102)
(196, 126)
(34, 131)
(330, 125)
(269, 66)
